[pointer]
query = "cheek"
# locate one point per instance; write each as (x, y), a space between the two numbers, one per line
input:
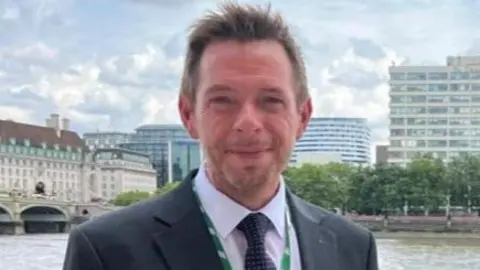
(212, 128)
(283, 131)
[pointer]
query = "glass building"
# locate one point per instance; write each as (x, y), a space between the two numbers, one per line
(154, 140)
(434, 109)
(185, 156)
(343, 137)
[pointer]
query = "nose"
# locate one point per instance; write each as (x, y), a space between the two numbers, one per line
(248, 120)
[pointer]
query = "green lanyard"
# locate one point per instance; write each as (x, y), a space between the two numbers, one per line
(218, 244)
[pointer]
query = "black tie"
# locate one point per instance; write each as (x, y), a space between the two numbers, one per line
(255, 227)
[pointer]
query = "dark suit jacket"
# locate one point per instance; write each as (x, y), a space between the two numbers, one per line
(170, 233)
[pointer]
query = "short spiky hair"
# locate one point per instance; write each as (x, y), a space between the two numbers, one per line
(243, 23)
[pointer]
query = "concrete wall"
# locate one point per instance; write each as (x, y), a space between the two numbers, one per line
(420, 224)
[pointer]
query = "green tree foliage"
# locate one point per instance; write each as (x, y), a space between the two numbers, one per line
(426, 184)
(315, 186)
(463, 180)
(130, 197)
(166, 188)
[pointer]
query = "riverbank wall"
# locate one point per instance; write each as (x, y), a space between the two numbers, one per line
(419, 224)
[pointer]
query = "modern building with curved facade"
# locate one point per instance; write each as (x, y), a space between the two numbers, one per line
(334, 139)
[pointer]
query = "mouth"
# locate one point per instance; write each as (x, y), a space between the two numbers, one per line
(248, 153)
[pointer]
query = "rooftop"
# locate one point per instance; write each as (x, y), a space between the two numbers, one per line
(37, 135)
(161, 127)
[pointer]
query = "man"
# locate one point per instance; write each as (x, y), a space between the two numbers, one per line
(244, 96)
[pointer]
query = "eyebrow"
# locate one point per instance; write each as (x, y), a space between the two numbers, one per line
(218, 88)
(222, 88)
(273, 90)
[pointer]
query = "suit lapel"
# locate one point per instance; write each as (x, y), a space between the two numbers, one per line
(317, 244)
(182, 239)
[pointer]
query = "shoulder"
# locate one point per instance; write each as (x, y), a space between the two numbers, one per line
(112, 239)
(122, 221)
(141, 217)
(354, 243)
(344, 228)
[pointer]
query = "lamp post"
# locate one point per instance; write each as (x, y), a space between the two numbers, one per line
(469, 194)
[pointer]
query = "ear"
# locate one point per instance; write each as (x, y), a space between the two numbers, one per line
(305, 113)
(186, 108)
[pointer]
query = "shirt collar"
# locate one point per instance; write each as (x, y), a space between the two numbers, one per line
(226, 214)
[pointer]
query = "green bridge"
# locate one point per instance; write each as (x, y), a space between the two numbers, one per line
(19, 214)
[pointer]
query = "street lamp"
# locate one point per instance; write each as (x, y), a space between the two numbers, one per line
(469, 192)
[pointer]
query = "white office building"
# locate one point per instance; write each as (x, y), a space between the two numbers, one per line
(434, 109)
(119, 170)
(102, 140)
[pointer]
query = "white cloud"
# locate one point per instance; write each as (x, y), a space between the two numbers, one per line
(118, 66)
(356, 86)
(161, 107)
(18, 114)
(96, 121)
(37, 51)
(10, 14)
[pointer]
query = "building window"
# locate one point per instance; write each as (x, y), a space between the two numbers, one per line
(397, 76)
(459, 75)
(416, 76)
(438, 76)
(395, 154)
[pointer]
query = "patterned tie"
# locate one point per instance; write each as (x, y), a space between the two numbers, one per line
(255, 227)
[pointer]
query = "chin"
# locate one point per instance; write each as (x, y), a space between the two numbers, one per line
(260, 160)
(248, 182)
(248, 167)
(249, 171)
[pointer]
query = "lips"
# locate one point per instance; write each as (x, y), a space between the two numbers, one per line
(246, 151)
(248, 154)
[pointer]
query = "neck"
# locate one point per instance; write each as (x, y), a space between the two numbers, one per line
(251, 197)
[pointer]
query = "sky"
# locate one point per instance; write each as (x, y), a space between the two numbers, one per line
(115, 64)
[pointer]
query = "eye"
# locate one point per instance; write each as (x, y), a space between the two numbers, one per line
(221, 100)
(273, 100)
(272, 104)
(222, 103)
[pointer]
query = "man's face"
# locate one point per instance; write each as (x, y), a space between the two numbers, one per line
(246, 114)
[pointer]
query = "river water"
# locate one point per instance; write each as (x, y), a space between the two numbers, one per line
(45, 252)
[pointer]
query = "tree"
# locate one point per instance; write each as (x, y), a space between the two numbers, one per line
(464, 180)
(426, 184)
(362, 192)
(340, 175)
(428, 181)
(166, 188)
(130, 197)
(385, 180)
(312, 183)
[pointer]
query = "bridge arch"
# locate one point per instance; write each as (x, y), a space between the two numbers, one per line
(6, 215)
(44, 219)
(43, 213)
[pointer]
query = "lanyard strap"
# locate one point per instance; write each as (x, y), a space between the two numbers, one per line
(285, 265)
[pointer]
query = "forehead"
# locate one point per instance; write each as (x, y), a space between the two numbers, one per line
(245, 63)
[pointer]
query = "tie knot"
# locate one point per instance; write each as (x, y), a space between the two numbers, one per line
(255, 227)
